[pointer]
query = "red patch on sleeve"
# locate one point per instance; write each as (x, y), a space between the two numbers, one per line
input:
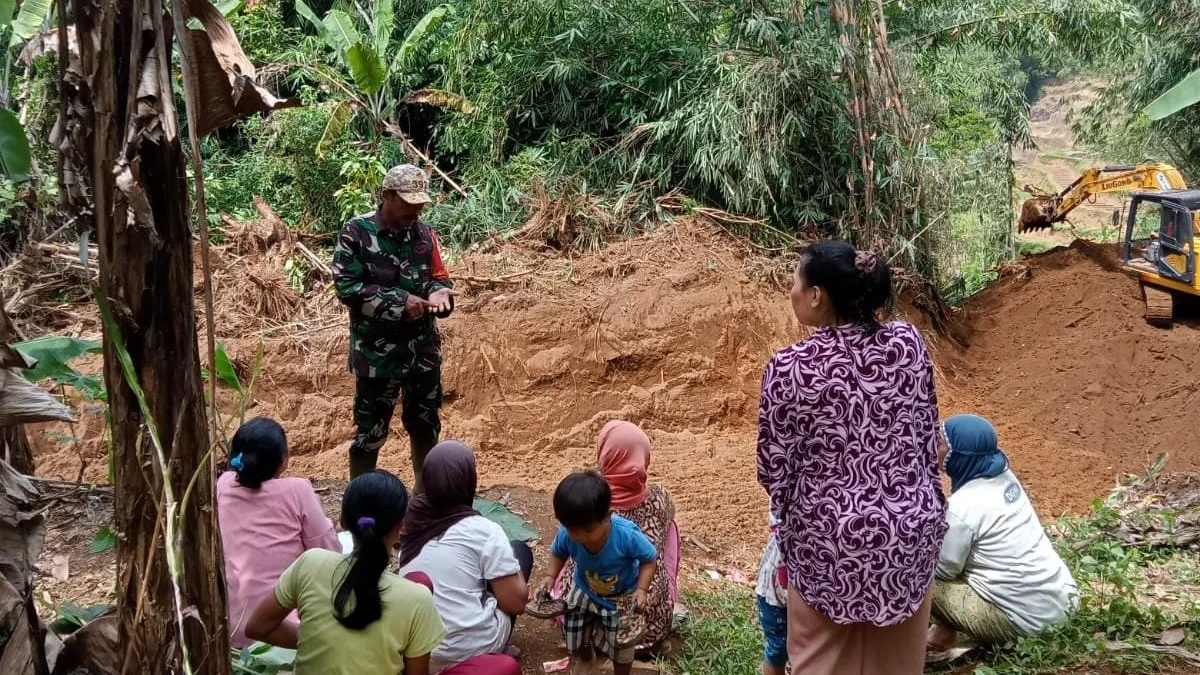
(439, 268)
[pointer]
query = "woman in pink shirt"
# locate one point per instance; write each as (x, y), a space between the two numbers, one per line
(266, 520)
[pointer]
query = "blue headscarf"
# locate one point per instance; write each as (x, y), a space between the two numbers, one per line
(974, 452)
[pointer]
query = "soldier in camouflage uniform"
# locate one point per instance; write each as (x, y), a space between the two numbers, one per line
(388, 270)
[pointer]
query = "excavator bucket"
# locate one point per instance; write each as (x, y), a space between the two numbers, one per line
(1036, 213)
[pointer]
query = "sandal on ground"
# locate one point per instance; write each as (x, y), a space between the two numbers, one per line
(947, 656)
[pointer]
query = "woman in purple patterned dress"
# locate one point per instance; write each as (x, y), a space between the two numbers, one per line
(847, 451)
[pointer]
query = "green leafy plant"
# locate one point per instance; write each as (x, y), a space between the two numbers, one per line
(361, 177)
(225, 371)
(54, 355)
(28, 20)
(295, 269)
(1184, 94)
(72, 617)
(105, 540)
(10, 206)
(263, 659)
(721, 635)
(227, 375)
(15, 162)
(1145, 111)
(295, 162)
(363, 46)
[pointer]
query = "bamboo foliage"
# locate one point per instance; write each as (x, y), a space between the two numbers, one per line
(793, 115)
(1164, 57)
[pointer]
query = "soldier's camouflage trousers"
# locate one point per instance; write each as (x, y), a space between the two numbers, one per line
(420, 392)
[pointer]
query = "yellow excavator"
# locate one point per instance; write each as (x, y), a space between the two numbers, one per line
(1045, 209)
(1165, 263)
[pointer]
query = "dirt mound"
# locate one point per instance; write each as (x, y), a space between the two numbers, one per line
(671, 330)
(1081, 388)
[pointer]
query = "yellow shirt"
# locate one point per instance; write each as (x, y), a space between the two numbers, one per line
(409, 627)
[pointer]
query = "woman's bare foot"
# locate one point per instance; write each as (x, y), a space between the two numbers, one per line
(940, 638)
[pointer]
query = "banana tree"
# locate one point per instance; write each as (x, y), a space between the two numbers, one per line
(363, 45)
(25, 22)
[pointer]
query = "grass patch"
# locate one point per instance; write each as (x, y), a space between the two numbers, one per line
(1030, 247)
(1128, 595)
(721, 636)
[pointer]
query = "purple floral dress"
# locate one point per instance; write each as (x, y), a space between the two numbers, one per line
(847, 451)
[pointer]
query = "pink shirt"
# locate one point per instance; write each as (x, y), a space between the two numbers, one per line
(264, 531)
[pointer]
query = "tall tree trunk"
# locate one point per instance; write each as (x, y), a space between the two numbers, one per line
(139, 189)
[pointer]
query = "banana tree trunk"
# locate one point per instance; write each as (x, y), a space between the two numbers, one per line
(138, 183)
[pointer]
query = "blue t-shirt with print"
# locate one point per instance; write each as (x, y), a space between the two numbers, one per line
(614, 570)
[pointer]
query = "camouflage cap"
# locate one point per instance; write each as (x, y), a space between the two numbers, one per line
(409, 181)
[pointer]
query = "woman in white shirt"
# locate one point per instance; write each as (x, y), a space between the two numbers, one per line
(479, 577)
(998, 575)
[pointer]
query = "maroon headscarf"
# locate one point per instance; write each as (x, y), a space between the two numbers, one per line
(450, 482)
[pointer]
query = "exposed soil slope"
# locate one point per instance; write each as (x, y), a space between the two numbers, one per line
(1080, 386)
(672, 330)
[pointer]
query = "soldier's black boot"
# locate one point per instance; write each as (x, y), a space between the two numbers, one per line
(420, 447)
(362, 462)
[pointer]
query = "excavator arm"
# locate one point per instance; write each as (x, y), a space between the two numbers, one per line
(1044, 209)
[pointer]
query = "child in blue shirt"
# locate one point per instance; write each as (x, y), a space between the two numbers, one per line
(614, 565)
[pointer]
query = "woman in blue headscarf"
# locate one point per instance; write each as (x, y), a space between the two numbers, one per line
(998, 575)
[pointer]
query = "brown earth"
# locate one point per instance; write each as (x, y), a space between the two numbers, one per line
(671, 330)
(1080, 386)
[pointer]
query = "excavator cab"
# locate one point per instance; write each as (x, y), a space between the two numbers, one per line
(1166, 264)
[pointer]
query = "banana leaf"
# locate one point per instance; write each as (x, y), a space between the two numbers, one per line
(366, 68)
(515, 527)
(30, 18)
(1184, 94)
(15, 161)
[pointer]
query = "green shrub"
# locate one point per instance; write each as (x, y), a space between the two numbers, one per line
(310, 184)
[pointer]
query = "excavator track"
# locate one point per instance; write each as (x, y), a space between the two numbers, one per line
(1160, 306)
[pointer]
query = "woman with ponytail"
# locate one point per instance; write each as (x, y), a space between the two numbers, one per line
(266, 520)
(847, 451)
(356, 618)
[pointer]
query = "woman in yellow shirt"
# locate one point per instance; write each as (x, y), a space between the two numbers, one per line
(355, 618)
